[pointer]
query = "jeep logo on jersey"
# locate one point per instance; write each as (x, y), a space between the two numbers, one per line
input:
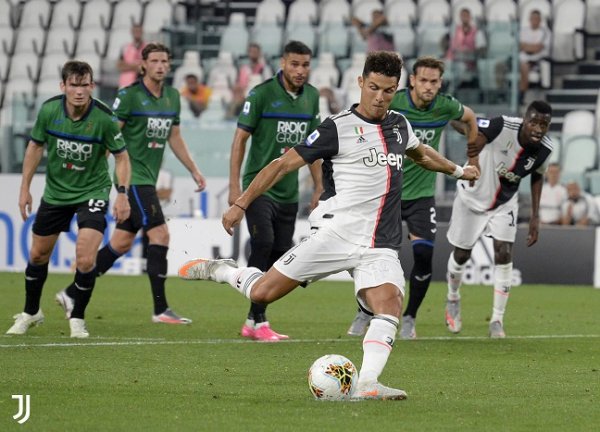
(73, 150)
(425, 135)
(158, 128)
(507, 174)
(391, 159)
(291, 132)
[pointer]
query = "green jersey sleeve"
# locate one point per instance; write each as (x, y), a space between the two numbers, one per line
(113, 138)
(38, 133)
(121, 105)
(251, 111)
(455, 108)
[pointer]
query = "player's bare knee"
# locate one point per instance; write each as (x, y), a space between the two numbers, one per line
(159, 235)
(38, 257)
(85, 263)
(461, 256)
(502, 252)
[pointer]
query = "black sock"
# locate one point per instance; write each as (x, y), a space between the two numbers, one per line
(257, 313)
(35, 276)
(157, 273)
(420, 276)
(105, 259)
(84, 285)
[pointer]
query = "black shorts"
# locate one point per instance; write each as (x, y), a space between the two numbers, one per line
(272, 222)
(53, 219)
(419, 215)
(146, 211)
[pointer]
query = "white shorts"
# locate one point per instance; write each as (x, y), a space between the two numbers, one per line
(466, 226)
(325, 253)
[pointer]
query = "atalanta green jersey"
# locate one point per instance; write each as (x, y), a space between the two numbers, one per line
(428, 125)
(148, 121)
(277, 122)
(77, 165)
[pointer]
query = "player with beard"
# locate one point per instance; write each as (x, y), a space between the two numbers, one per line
(278, 114)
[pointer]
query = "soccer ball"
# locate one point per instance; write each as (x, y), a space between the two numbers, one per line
(332, 377)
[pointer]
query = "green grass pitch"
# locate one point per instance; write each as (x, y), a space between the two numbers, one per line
(133, 375)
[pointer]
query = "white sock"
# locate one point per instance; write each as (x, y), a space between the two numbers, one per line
(502, 285)
(377, 346)
(249, 323)
(454, 277)
(242, 279)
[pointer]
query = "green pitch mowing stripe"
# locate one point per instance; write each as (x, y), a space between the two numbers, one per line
(132, 375)
(246, 341)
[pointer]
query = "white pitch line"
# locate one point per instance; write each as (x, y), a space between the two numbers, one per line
(143, 342)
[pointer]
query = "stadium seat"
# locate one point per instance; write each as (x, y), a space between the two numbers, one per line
(578, 122)
(580, 154)
(270, 12)
(223, 68)
(235, 36)
(401, 12)
(404, 40)
(325, 74)
(568, 31)
(302, 12)
(24, 65)
(66, 14)
(433, 12)
(35, 15)
(351, 74)
(116, 40)
(96, 14)
(269, 36)
(500, 11)
(334, 38)
(159, 14)
(45, 89)
(305, 33)
(190, 65)
(126, 13)
(6, 17)
(30, 40)
(4, 66)
(429, 36)
(593, 181)
(7, 35)
(592, 21)
(364, 8)
(91, 40)
(334, 11)
(51, 65)
(597, 114)
(357, 43)
(60, 40)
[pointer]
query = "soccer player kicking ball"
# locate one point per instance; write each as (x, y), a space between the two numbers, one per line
(363, 149)
(78, 130)
(510, 149)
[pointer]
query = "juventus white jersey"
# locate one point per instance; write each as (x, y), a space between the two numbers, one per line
(503, 162)
(362, 175)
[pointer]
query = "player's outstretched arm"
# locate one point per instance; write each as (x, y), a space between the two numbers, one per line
(121, 209)
(31, 160)
(182, 152)
(431, 160)
(264, 180)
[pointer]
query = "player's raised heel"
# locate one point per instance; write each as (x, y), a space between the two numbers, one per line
(65, 302)
(453, 318)
(377, 391)
(359, 324)
(203, 269)
(23, 321)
